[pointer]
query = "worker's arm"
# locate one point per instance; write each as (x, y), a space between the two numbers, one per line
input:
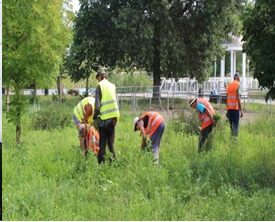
(209, 115)
(98, 96)
(240, 105)
(239, 100)
(141, 127)
(89, 112)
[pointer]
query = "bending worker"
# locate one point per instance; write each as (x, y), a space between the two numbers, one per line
(205, 113)
(107, 113)
(82, 115)
(151, 123)
(233, 103)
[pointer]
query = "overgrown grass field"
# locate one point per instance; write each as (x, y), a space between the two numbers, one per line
(48, 178)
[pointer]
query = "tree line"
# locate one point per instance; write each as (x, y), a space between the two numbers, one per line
(166, 38)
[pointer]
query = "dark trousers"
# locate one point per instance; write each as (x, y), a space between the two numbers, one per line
(203, 136)
(107, 134)
(234, 116)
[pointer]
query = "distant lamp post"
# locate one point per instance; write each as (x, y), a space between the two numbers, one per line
(215, 71)
(87, 76)
(215, 67)
(248, 68)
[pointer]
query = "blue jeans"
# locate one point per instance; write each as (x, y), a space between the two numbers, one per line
(203, 136)
(156, 138)
(234, 116)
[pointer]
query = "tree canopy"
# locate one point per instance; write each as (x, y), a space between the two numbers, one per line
(35, 36)
(164, 37)
(259, 37)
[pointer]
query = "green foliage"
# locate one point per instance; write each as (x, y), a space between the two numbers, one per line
(217, 116)
(34, 43)
(56, 98)
(187, 123)
(17, 106)
(129, 79)
(51, 118)
(258, 37)
(156, 36)
(33, 99)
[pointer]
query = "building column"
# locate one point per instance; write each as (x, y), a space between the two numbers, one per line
(235, 62)
(222, 73)
(231, 66)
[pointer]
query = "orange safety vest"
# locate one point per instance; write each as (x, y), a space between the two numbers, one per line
(204, 118)
(155, 119)
(93, 131)
(232, 96)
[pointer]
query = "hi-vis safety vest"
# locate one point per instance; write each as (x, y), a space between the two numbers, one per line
(204, 118)
(108, 103)
(155, 119)
(232, 96)
(91, 144)
(80, 112)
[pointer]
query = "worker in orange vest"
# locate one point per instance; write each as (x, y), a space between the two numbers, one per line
(93, 139)
(153, 124)
(205, 113)
(234, 106)
(91, 136)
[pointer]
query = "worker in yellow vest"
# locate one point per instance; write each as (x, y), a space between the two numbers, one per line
(82, 115)
(153, 124)
(205, 113)
(107, 113)
(234, 106)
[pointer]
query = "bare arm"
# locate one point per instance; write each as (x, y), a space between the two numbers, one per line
(141, 127)
(210, 116)
(240, 105)
(89, 112)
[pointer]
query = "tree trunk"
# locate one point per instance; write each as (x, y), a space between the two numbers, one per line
(8, 98)
(35, 90)
(18, 133)
(87, 86)
(59, 88)
(18, 113)
(156, 64)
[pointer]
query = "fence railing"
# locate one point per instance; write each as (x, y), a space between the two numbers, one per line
(153, 97)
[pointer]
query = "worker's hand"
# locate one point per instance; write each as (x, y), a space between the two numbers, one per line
(143, 145)
(241, 113)
(214, 122)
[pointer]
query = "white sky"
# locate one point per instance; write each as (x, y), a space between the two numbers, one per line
(75, 5)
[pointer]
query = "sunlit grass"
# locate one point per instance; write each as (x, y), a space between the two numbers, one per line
(48, 178)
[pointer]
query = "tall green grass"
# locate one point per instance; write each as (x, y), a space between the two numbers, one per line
(48, 178)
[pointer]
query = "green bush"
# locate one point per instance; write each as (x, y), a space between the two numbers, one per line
(188, 123)
(33, 99)
(217, 116)
(51, 118)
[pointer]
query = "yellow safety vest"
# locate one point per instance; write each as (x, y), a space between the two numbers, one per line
(108, 104)
(80, 112)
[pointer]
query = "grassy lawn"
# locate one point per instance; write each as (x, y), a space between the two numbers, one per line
(48, 178)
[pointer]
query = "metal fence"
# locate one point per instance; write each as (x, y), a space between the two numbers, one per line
(171, 101)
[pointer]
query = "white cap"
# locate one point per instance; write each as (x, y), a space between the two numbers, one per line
(135, 122)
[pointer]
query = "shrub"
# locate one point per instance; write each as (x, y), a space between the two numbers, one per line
(216, 116)
(33, 99)
(51, 118)
(188, 123)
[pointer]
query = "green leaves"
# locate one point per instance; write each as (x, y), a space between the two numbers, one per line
(35, 36)
(259, 35)
(166, 38)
